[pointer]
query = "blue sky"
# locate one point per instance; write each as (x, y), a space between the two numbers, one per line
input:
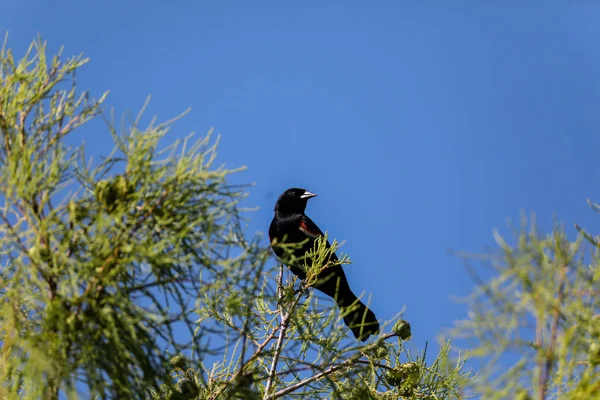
(421, 125)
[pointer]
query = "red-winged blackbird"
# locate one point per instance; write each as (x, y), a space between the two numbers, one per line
(291, 222)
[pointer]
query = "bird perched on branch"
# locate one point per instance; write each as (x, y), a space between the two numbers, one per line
(292, 225)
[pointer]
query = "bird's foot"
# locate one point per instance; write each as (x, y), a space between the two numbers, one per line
(303, 288)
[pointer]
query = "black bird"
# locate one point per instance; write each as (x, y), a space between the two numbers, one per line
(291, 222)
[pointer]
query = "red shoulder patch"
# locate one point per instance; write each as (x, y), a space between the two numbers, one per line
(307, 230)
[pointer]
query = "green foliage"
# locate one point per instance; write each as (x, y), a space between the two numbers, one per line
(289, 344)
(93, 279)
(133, 276)
(534, 324)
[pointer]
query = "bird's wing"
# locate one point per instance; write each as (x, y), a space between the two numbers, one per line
(309, 228)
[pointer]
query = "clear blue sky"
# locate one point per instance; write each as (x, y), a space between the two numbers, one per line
(421, 127)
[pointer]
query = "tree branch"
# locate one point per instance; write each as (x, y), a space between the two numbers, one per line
(355, 359)
(547, 368)
(282, 329)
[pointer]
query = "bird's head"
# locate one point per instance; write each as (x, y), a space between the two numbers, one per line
(293, 201)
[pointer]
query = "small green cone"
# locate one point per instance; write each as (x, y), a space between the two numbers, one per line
(594, 354)
(411, 373)
(177, 362)
(393, 377)
(402, 329)
(381, 352)
(189, 389)
(522, 394)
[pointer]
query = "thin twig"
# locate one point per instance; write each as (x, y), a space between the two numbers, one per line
(14, 234)
(283, 326)
(247, 321)
(311, 366)
(313, 378)
(260, 347)
(547, 368)
(33, 102)
(4, 128)
(355, 359)
(586, 235)
(282, 329)
(60, 134)
(258, 351)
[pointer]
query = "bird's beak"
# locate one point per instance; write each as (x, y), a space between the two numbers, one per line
(307, 195)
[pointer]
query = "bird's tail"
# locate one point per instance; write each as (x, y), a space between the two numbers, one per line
(359, 318)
